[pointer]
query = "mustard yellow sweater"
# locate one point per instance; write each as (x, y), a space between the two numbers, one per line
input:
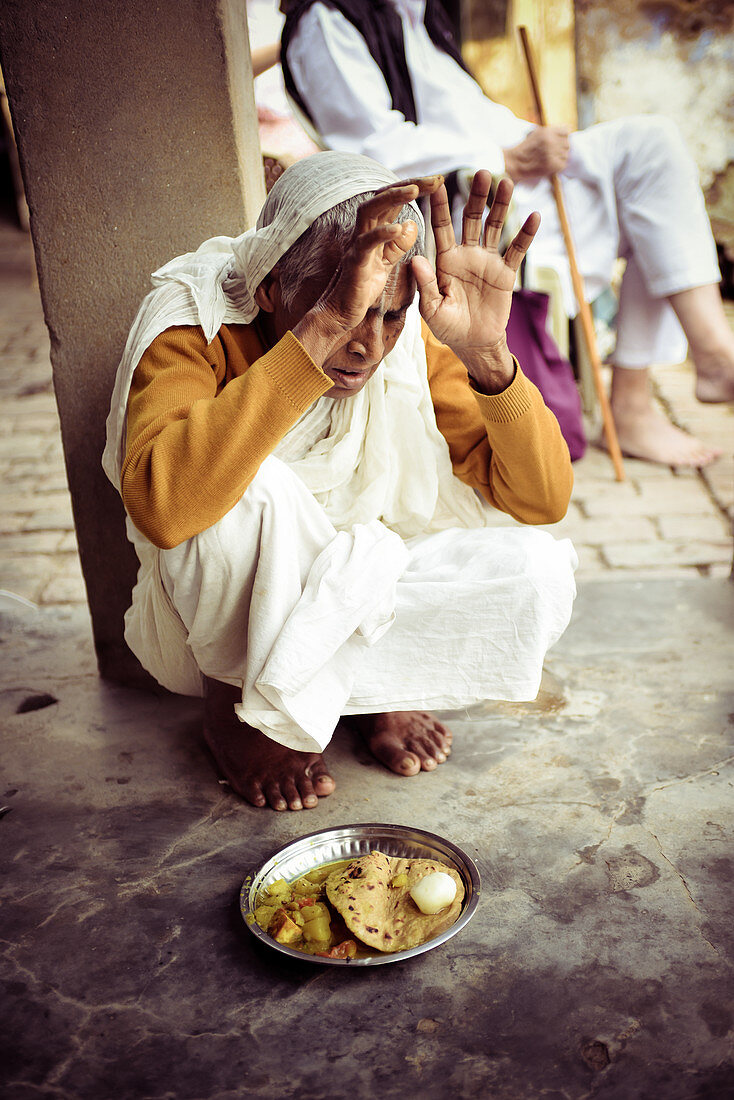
(203, 417)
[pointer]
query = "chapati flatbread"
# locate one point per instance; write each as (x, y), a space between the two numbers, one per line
(385, 917)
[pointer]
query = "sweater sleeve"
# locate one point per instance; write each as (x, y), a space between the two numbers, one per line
(195, 440)
(508, 445)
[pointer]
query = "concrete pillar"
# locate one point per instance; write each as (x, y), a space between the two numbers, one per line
(137, 135)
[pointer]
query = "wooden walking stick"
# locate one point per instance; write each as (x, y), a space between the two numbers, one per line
(587, 321)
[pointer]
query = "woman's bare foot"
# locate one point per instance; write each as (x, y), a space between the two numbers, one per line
(406, 742)
(260, 770)
(644, 432)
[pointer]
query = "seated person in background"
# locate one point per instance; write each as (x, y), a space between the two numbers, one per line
(308, 469)
(385, 78)
(282, 139)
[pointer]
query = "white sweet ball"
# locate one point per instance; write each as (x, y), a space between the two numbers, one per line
(434, 892)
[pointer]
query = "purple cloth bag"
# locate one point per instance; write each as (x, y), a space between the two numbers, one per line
(540, 358)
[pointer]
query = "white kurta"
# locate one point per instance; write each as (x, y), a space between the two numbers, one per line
(630, 186)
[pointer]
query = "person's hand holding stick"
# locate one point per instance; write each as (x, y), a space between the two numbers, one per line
(587, 321)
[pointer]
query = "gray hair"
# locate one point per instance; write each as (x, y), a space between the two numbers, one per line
(308, 256)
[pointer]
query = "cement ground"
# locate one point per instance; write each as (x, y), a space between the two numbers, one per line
(599, 961)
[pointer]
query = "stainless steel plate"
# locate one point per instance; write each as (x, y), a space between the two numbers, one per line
(348, 842)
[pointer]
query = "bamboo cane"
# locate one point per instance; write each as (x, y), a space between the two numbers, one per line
(587, 322)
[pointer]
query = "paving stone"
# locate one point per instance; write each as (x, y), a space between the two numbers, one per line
(26, 476)
(23, 542)
(591, 563)
(592, 489)
(45, 421)
(64, 590)
(720, 474)
(714, 528)
(49, 520)
(68, 543)
(27, 576)
(596, 532)
(11, 521)
(54, 452)
(693, 552)
(681, 501)
(679, 494)
(30, 404)
(638, 472)
(26, 469)
(13, 500)
(16, 446)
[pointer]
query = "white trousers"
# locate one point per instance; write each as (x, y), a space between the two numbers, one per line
(631, 190)
(314, 623)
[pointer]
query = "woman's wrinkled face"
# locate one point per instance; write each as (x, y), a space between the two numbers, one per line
(352, 365)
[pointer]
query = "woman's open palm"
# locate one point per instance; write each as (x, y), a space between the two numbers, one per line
(466, 303)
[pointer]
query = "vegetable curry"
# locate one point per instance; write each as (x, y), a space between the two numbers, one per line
(298, 914)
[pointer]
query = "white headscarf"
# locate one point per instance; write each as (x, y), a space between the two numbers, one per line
(217, 283)
(377, 455)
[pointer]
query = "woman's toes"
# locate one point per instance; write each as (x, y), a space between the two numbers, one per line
(405, 763)
(406, 742)
(429, 750)
(291, 794)
(275, 797)
(308, 798)
(425, 754)
(252, 793)
(322, 782)
(443, 737)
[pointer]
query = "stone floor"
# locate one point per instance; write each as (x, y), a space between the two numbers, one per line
(599, 961)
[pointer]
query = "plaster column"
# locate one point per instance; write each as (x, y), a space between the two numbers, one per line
(137, 136)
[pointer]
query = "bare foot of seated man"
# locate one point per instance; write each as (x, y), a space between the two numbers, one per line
(644, 432)
(265, 773)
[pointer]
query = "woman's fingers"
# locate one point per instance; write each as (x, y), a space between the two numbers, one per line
(426, 186)
(378, 237)
(471, 222)
(443, 231)
(394, 238)
(515, 253)
(396, 248)
(498, 213)
(429, 295)
(385, 205)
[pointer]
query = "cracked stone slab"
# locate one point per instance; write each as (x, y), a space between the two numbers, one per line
(599, 962)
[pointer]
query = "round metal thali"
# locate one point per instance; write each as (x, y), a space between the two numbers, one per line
(306, 853)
